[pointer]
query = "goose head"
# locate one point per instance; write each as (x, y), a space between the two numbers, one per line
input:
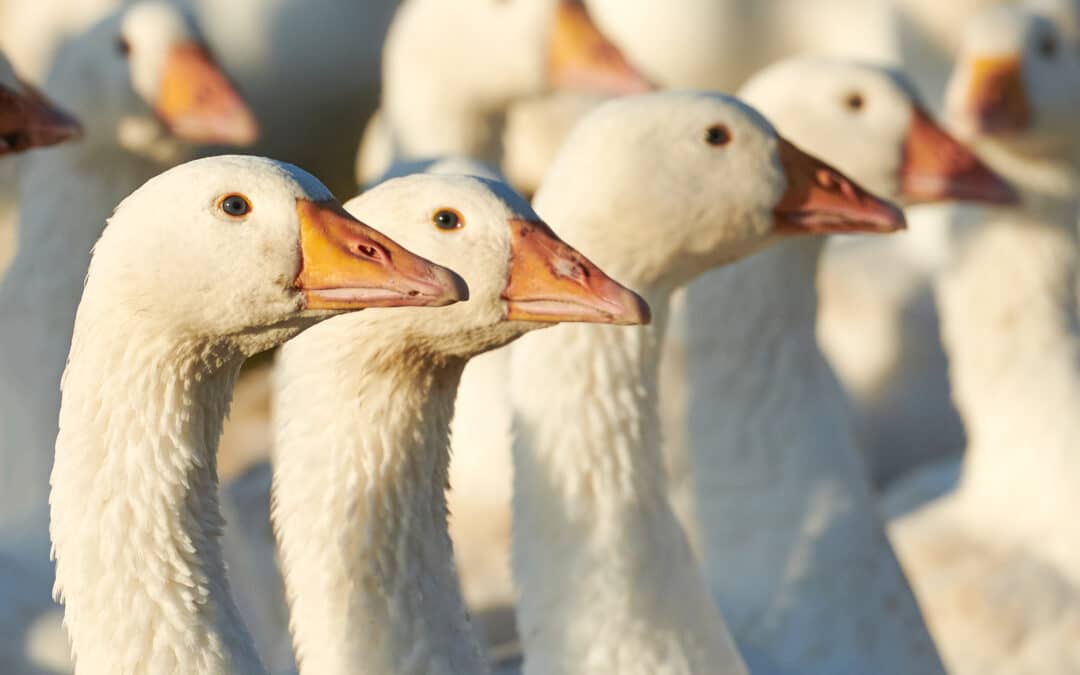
(661, 187)
(519, 273)
(252, 250)
(27, 118)
(144, 79)
(1017, 80)
(487, 53)
(868, 121)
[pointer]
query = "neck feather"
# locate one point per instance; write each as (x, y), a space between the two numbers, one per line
(794, 552)
(65, 195)
(134, 505)
(607, 579)
(359, 503)
(1011, 329)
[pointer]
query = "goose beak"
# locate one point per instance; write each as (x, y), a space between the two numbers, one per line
(937, 167)
(29, 120)
(199, 104)
(550, 282)
(580, 57)
(346, 265)
(821, 200)
(996, 98)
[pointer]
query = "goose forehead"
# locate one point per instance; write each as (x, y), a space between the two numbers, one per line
(242, 173)
(485, 203)
(155, 23)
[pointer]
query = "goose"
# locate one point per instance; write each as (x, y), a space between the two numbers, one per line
(792, 547)
(153, 359)
(992, 559)
(440, 101)
(144, 87)
(660, 187)
(362, 415)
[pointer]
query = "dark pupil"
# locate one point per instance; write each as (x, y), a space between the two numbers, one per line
(717, 135)
(234, 206)
(446, 220)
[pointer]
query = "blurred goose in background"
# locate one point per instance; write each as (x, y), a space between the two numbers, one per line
(362, 420)
(143, 86)
(325, 53)
(606, 578)
(793, 549)
(148, 382)
(439, 101)
(27, 120)
(994, 561)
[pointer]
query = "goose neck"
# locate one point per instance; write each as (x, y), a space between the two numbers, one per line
(135, 520)
(608, 582)
(360, 474)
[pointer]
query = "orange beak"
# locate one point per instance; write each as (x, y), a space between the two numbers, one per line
(29, 120)
(550, 282)
(937, 167)
(199, 104)
(580, 57)
(996, 97)
(347, 265)
(821, 200)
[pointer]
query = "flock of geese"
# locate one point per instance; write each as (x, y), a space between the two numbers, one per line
(658, 365)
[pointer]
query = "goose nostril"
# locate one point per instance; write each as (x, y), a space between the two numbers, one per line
(368, 251)
(825, 179)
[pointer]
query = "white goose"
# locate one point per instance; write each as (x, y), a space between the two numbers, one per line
(661, 188)
(362, 419)
(450, 101)
(142, 86)
(794, 551)
(153, 359)
(994, 562)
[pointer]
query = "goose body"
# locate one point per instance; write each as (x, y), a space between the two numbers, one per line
(134, 487)
(605, 573)
(1009, 317)
(362, 421)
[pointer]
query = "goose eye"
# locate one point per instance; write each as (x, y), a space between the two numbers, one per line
(1048, 47)
(717, 134)
(235, 205)
(448, 219)
(854, 101)
(123, 46)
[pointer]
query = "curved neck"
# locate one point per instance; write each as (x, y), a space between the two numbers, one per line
(607, 579)
(1011, 328)
(135, 519)
(360, 472)
(793, 550)
(65, 196)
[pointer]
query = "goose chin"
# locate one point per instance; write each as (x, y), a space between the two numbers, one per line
(552, 310)
(839, 222)
(332, 298)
